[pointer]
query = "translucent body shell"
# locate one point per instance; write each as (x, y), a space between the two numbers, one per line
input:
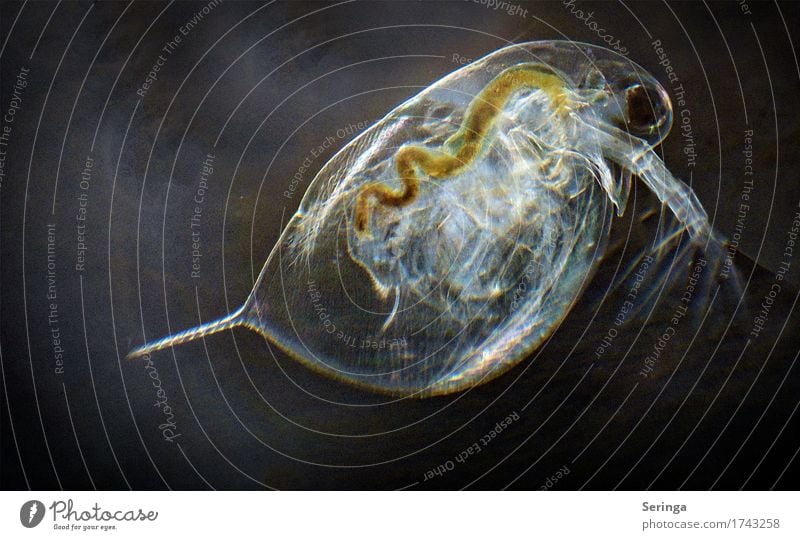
(447, 241)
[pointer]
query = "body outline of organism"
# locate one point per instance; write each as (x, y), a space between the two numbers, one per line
(401, 271)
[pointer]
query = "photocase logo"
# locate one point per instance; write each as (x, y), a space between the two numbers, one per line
(31, 514)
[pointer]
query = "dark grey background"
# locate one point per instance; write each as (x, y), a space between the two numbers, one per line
(280, 78)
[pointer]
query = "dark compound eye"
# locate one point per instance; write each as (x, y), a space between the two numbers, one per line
(645, 110)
